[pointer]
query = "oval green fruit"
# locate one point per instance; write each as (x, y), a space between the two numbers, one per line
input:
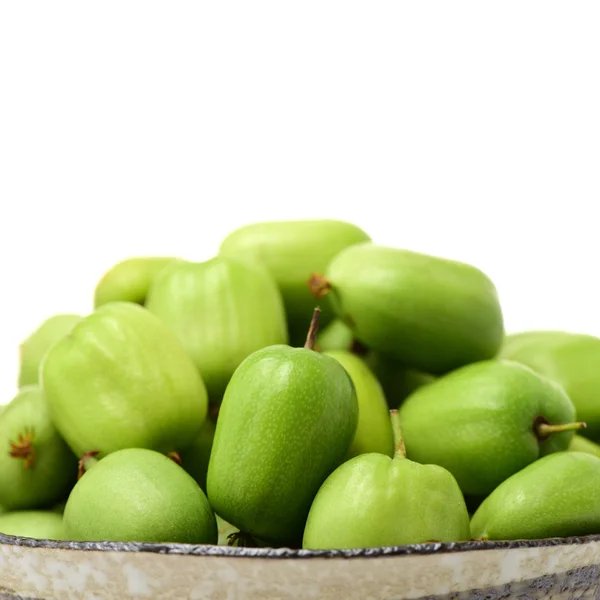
(429, 313)
(581, 444)
(335, 336)
(129, 280)
(556, 496)
(292, 251)
(486, 421)
(121, 379)
(373, 431)
(287, 420)
(33, 349)
(221, 310)
(139, 495)
(37, 468)
(36, 524)
(570, 359)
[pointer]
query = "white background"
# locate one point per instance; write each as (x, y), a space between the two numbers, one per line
(469, 130)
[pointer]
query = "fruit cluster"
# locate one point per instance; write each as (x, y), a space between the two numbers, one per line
(305, 387)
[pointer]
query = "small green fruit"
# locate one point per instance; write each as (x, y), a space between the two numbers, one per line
(429, 313)
(221, 310)
(373, 500)
(121, 379)
(335, 336)
(138, 495)
(556, 496)
(486, 421)
(194, 459)
(292, 251)
(36, 524)
(373, 432)
(570, 359)
(37, 468)
(287, 420)
(129, 280)
(34, 347)
(581, 444)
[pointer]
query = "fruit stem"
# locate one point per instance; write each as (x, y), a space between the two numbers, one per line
(544, 430)
(23, 448)
(86, 462)
(319, 285)
(399, 447)
(313, 329)
(174, 456)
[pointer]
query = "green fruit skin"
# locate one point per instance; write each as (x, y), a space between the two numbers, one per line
(556, 496)
(37, 524)
(373, 432)
(194, 459)
(372, 501)
(221, 310)
(54, 470)
(129, 280)
(335, 336)
(397, 381)
(34, 347)
(139, 495)
(292, 251)
(570, 359)
(581, 444)
(287, 420)
(429, 313)
(478, 422)
(121, 379)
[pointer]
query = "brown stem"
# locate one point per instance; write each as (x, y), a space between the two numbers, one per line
(399, 447)
(313, 329)
(86, 461)
(23, 448)
(319, 285)
(239, 538)
(544, 430)
(174, 456)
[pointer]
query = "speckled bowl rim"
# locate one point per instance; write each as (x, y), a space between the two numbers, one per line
(288, 553)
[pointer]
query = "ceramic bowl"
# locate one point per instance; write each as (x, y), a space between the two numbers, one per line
(524, 570)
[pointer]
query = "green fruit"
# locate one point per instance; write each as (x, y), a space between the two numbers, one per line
(221, 310)
(373, 432)
(36, 524)
(139, 495)
(374, 500)
(429, 313)
(556, 496)
(194, 459)
(486, 421)
(287, 420)
(37, 468)
(570, 359)
(581, 444)
(335, 336)
(129, 280)
(34, 347)
(293, 251)
(121, 379)
(397, 381)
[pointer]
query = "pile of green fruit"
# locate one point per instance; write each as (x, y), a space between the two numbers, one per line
(307, 388)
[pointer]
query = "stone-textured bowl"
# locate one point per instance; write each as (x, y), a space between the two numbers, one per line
(524, 570)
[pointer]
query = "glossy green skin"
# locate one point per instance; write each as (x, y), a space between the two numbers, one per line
(373, 432)
(54, 471)
(138, 495)
(293, 251)
(287, 420)
(429, 313)
(221, 310)
(397, 381)
(121, 379)
(581, 444)
(129, 280)
(37, 524)
(335, 336)
(373, 500)
(194, 459)
(34, 347)
(556, 496)
(572, 360)
(477, 422)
